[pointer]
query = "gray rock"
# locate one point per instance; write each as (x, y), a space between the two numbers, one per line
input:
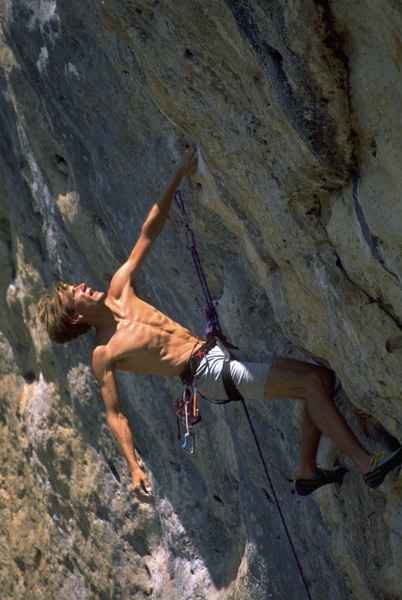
(295, 110)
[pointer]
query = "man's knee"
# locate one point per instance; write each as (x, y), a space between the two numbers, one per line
(326, 379)
(316, 382)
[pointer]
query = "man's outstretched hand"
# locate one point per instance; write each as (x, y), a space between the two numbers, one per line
(188, 161)
(142, 487)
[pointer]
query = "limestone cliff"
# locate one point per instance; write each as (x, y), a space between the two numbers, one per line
(295, 109)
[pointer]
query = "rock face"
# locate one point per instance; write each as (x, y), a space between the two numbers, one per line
(296, 208)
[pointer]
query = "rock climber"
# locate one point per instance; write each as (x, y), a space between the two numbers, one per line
(133, 336)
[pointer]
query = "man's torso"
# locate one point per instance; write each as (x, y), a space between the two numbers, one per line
(144, 340)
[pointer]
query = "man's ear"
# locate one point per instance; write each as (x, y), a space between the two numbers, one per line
(75, 319)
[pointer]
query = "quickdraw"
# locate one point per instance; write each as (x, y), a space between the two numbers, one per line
(189, 414)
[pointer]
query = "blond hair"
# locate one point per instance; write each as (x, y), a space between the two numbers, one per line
(55, 310)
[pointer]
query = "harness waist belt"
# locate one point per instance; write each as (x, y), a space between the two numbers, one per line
(191, 367)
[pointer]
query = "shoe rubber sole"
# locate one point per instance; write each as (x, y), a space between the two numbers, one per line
(305, 487)
(375, 478)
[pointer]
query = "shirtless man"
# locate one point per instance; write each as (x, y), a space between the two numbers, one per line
(133, 336)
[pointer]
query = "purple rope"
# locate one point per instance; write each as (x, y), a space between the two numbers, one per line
(213, 327)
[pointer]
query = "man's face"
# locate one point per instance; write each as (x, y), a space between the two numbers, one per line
(85, 299)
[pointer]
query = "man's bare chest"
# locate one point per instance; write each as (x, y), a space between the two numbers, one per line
(134, 339)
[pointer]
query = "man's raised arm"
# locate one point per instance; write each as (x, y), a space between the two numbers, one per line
(153, 225)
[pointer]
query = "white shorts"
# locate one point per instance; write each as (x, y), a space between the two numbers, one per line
(249, 373)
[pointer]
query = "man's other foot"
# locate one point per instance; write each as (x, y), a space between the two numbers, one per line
(380, 465)
(304, 487)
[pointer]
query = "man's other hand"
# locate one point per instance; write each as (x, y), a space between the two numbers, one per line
(142, 487)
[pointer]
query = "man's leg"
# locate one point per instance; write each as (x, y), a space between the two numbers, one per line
(310, 440)
(311, 383)
(310, 434)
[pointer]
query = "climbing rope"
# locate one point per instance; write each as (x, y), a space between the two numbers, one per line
(275, 497)
(214, 329)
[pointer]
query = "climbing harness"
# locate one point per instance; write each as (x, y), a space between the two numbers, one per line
(213, 332)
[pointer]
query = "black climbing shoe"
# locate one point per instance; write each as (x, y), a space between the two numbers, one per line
(304, 487)
(380, 465)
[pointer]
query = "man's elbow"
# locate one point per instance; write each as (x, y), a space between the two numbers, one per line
(114, 417)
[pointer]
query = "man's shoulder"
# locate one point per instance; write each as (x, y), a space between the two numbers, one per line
(121, 287)
(121, 304)
(100, 359)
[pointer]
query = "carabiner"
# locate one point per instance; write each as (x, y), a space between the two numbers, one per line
(189, 442)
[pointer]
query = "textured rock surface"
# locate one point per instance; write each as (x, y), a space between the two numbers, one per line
(295, 108)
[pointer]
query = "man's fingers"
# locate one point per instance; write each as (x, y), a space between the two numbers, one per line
(193, 156)
(142, 488)
(189, 161)
(143, 495)
(190, 152)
